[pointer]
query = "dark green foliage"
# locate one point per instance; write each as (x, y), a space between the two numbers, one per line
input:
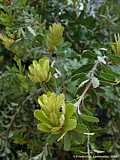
(83, 67)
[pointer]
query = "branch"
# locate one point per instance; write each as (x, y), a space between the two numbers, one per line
(90, 75)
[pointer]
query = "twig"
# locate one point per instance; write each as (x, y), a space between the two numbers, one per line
(82, 97)
(88, 147)
(90, 75)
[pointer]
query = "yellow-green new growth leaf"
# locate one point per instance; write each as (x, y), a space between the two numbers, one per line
(55, 116)
(39, 71)
(55, 36)
(116, 45)
(70, 122)
(7, 42)
(51, 104)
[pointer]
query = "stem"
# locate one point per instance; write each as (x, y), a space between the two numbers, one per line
(82, 97)
(90, 75)
(88, 147)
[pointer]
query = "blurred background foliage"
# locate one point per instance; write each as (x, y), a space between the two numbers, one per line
(89, 29)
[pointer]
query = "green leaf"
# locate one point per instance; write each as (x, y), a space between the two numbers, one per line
(115, 59)
(83, 69)
(78, 75)
(70, 124)
(67, 142)
(41, 116)
(81, 128)
(70, 109)
(108, 75)
(89, 118)
(44, 127)
(70, 119)
(20, 3)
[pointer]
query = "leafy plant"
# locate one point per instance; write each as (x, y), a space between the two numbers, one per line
(59, 79)
(55, 116)
(39, 71)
